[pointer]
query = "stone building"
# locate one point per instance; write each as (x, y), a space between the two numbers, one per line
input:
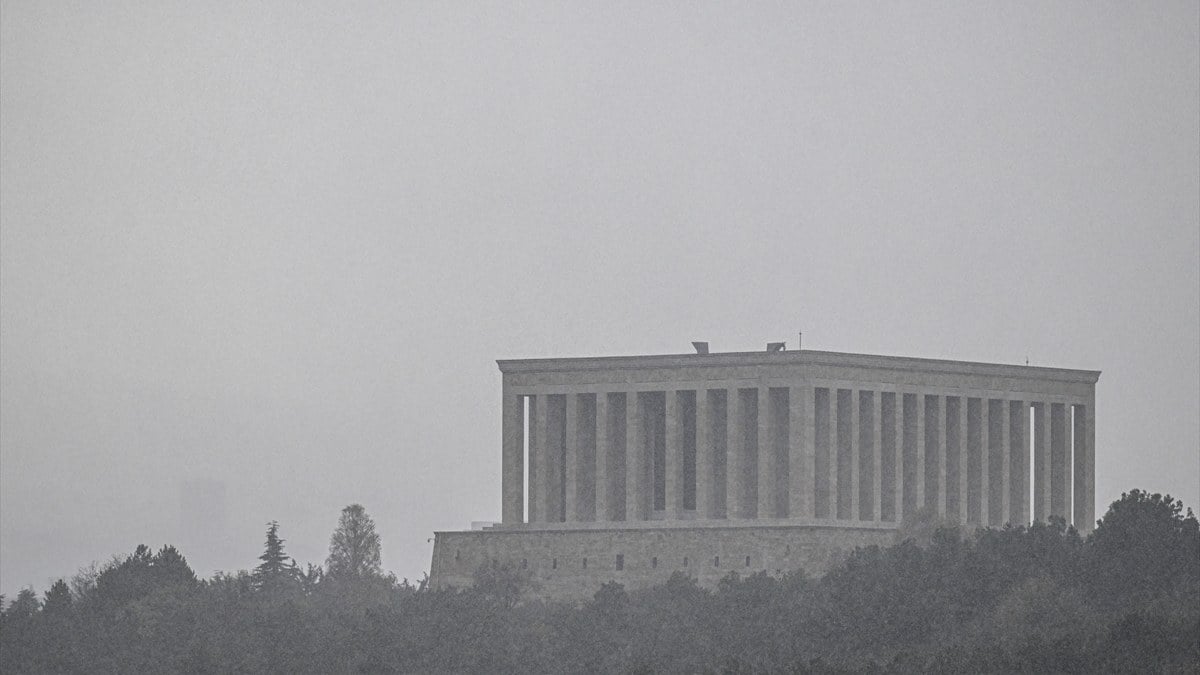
(630, 468)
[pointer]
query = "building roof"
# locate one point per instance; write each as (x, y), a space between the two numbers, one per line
(792, 358)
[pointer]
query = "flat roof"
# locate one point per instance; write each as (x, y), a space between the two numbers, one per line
(794, 357)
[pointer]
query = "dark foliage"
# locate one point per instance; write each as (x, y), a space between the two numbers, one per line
(1019, 599)
(1144, 549)
(276, 572)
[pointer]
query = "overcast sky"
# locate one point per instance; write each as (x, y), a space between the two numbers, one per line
(257, 260)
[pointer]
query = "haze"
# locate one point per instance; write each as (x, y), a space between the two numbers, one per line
(257, 260)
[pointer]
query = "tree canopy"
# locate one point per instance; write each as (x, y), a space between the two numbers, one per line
(1018, 599)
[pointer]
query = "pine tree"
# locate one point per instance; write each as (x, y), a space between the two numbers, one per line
(276, 569)
(354, 546)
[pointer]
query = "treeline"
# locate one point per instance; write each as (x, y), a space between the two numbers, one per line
(1019, 599)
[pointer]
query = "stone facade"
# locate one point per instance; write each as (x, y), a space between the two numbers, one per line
(572, 564)
(704, 456)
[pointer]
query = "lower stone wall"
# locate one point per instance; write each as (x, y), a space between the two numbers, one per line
(569, 564)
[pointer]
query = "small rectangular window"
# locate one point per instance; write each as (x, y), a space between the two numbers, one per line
(654, 562)
(685, 561)
(554, 563)
(716, 561)
(620, 561)
(747, 561)
(585, 563)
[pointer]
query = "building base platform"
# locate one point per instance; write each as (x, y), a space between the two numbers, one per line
(571, 561)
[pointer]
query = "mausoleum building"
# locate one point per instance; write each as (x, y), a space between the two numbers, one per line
(630, 468)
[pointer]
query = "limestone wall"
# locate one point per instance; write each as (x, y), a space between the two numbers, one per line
(572, 564)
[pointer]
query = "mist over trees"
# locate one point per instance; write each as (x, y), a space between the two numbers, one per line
(1018, 599)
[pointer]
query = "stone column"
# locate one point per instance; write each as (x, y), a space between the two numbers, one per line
(766, 456)
(571, 460)
(833, 452)
(1019, 464)
(1005, 469)
(985, 459)
(877, 454)
(855, 449)
(635, 461)
(919, 455)
(964, 463)
(1085, 465)
(704, 468)
(674, 456)
(555, 439)
(603, 489)
(539, 474)
(512, 480)
(1060, 477)
(1041, 462)
(898, 448)
(940, 441)
(735, 457)
(801, 452)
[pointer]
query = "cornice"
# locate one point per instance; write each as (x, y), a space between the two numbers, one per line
(795, 358)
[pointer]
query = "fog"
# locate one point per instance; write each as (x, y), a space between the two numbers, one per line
(257, 260)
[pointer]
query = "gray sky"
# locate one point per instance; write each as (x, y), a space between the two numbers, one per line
(257, 259)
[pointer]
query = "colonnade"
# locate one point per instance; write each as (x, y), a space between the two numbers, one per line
(837, 451)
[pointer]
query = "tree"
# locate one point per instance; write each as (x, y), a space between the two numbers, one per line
(171, 568)
(83, 583)
(310, 577)
(24, 607)
(1147, 546)
(137, 576)
(611, 598)
(1040, 607)
(354, 546)
(276, 569)
(58, 599)
(20, 637)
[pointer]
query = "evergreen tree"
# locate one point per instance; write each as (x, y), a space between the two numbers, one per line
(170, 567)
(276, 569)
(20, 639)
(24, 607)
(58, 599)
(354, 546)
